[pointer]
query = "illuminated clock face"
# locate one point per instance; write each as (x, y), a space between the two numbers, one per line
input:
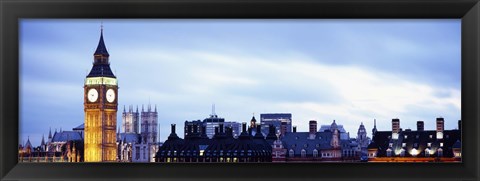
(92, 95)
(110, 95)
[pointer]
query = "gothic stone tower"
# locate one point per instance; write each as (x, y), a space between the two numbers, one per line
(100, 106)
(149, 125)
(130, 120)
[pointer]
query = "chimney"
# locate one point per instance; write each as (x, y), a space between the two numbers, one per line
(395, 125)
(283, 128)
(173, 128)
(259, 128)
(244, 127)
(229, 131)
(420, 126)
(440, 128)
(460, 125)
(395, 128)
(313, 127)
(221, 128)
(294, 129)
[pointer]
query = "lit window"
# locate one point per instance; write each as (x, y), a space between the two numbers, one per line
(315, 153)
(406, 136)
(404, 144)
(414, 152)
(402, 152)
(427, 152)
(431, 136)
(429, 144)
(441, 144)
(390, 144)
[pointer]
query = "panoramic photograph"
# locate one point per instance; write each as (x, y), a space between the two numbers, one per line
(239, 91)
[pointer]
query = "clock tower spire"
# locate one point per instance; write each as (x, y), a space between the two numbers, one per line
(100, 107)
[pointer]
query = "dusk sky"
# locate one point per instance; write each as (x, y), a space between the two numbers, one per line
(351, 71)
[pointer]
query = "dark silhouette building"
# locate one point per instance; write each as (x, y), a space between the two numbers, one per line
(223, 147)
(399, 145)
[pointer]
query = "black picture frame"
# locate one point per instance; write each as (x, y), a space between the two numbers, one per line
(12, 11)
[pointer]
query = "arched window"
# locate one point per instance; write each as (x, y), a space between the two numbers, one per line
(440, 152)
(303, 153)
(291, 153)
(389, 152)
(315, 153)
(427, 152)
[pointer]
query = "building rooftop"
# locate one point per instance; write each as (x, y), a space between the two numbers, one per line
(65, 136)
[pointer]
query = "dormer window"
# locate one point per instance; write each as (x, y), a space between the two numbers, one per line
(429, 144)
(390, 145)
(441, 144)
(430, 136)
(291, 153)
(315, 153)
(405, 136)
(440, 152)
(389, 152)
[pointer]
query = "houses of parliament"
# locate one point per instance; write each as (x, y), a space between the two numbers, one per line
(214, 140)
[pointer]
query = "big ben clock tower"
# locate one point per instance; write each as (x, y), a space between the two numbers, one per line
(100, 106)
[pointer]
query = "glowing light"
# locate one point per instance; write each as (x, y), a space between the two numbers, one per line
(100, 81)
(414, 152)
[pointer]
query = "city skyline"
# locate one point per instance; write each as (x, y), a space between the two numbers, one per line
(245, 67)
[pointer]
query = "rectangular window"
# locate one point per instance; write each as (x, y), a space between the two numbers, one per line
(137, 153)
(144, 153)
